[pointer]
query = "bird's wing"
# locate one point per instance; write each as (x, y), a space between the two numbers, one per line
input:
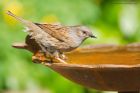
(57, 31)
(60, 33)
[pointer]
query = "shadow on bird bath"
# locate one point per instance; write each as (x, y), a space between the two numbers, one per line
(102, 67)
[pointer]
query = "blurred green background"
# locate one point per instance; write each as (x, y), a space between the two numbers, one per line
(111, 22)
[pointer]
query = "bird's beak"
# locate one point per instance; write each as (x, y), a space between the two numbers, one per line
(92, 36)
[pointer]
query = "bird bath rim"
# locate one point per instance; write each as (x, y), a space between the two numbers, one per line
(91, 65)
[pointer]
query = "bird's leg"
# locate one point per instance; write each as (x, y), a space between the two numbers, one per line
(52, 57)
(43, 53)
(49, 56)
(44, 50)
(38, 57)
(62, 56)
(57, 58)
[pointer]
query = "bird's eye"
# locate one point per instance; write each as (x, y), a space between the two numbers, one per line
(84, 33)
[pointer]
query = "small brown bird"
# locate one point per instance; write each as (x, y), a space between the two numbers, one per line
(54, 39)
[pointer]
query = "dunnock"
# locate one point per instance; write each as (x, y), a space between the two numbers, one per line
(54, 39)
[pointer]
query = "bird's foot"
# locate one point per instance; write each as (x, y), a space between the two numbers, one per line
(40, 57)
(62, 56)
(58, 60)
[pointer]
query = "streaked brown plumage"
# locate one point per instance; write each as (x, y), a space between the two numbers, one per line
(55, 39)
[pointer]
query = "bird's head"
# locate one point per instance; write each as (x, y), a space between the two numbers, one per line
(84, 32)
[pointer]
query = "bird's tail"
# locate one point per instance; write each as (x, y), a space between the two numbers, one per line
(25, 22)
(30, 25)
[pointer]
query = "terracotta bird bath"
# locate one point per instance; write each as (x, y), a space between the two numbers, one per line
(102, 67)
